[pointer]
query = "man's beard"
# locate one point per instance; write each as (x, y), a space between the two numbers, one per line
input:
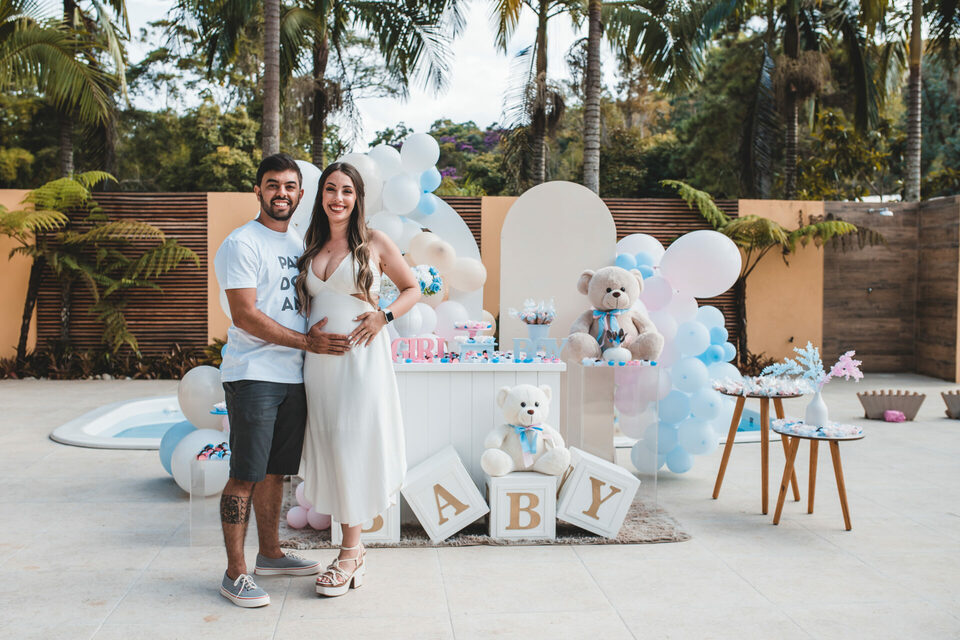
(279, 217)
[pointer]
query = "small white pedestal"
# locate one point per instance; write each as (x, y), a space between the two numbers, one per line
(384, 528)
(523, 504)
(442, 495)
(596, 494)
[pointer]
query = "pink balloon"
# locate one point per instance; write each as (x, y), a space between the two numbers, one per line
(627, 399)
(301, 499)
(683, 307)
(297, 517)
(656, 293)
(318, 521)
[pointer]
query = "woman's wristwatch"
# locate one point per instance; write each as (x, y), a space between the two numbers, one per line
(388, 315)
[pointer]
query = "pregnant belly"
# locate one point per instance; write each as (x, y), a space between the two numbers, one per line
(340, 310)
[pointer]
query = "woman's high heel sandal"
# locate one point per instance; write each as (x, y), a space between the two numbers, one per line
(336, 581)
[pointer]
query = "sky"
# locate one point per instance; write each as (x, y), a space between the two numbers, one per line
(480, 75)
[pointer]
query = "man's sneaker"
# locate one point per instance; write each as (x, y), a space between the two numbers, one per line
(243, 591)
(290, 565)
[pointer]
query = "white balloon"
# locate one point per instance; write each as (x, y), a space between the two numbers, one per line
(200, 389)
(467, 274)
(666, 324)
(488, 317)
(387, 159)
(401, 193)
(390, 223)
(418, 246)
(428, 317)
(449, 313)
(408, 325)
(657, 293)
(637, 242)
(721, 371)
(186, 452)
(369, 173)
(410, 229)
(682, 307)
(702, 263)
(419, 152)
(442, 255)
(300, 219)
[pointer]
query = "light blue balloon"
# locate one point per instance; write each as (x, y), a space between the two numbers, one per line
(645, 270)
(626, 261)
(710, 316)
(645, 258)
(706, 404)
(427, 204)
(692, 338)
(171, 438)
(646, 461)
(674, 408)
(729, 352)
(666, 438)
(689, 375)
(430, 179)
(696, 436)
(714, 353)
(679, 461)
(718, 335)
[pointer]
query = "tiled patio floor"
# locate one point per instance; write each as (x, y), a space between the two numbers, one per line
(94, 544)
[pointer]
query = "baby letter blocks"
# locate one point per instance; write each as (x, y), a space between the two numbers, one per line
(596, 494)
(442, 495)
(523, 504)
(384, 528)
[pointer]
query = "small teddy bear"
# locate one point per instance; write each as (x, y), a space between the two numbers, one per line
(612, 324)
(524, 443)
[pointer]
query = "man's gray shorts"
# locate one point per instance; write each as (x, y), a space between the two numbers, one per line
(267, 421)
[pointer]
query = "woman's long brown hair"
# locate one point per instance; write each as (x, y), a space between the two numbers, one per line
(318, 233)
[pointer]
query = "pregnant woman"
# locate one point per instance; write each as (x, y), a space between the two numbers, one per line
(353, 451)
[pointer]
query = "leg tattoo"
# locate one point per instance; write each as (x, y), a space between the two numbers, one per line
(234, 509)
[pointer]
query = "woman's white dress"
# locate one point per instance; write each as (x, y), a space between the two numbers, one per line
(354, 459)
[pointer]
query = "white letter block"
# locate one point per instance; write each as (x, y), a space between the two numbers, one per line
(384, 528)
(442, 495)
(523, 504)
(596, 494)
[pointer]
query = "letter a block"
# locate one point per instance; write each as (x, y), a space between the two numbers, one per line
(442, 495)
(596, 495)
(523, 504)
(384, 528)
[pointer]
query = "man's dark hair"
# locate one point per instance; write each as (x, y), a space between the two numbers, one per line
(278, 162)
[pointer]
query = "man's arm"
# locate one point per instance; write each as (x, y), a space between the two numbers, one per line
(246, 316)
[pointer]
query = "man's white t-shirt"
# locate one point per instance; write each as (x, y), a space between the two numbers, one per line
(255, 257)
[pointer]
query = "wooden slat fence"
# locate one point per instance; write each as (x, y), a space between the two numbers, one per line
(178, 315)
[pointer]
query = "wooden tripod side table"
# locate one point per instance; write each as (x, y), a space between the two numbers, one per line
(764, 443)
(795, 431)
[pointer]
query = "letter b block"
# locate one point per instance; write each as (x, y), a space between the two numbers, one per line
(442, 495)
(384, 528)
(595, 494)
(523, 504)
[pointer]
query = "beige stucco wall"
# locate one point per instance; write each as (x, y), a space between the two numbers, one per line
(225, 212)
(13, 285)
(493, 211)
(785, 303)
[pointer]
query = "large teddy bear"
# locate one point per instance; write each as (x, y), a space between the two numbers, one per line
(525, 442)
(612, 324)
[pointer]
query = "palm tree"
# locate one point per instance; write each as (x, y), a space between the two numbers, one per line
(271, 77)
(41, 53)
(591, 103)
(539, 105)
(98, 39)
(411, 37)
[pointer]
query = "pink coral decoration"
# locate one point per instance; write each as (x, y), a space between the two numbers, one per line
(846, 367)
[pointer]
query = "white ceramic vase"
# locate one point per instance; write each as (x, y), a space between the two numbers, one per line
(816, 414)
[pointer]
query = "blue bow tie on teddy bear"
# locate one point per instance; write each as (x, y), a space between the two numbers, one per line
(608, 328)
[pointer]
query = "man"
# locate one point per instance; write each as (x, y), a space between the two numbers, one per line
(262, 374)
